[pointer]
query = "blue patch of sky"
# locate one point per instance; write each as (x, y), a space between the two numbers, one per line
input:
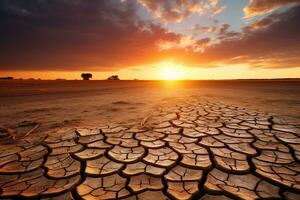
(233, 14)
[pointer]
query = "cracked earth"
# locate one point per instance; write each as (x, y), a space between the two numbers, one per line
(192, 150)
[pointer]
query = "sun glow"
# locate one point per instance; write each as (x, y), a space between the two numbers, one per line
(171, 70)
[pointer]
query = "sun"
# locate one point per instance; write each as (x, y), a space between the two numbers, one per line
(171, 71)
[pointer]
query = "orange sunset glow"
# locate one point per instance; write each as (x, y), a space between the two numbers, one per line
(170, 72)
(218, 39)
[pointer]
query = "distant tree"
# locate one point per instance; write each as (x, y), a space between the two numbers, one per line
(86, 76)
(113, 77)
(7, 78)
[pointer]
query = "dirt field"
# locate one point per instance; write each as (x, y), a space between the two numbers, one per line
(55, 104)
(150, 140)
(96, 101)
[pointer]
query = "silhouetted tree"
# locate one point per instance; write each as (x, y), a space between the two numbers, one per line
(86, 76)
(7, 78)
(113, 77)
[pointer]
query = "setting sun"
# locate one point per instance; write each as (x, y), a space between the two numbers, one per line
(171, 73)
(171, 70)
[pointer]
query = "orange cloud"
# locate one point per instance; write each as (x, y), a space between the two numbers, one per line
(188, 43)
(259, 7)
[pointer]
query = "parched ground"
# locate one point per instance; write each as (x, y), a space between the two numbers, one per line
(196, 148)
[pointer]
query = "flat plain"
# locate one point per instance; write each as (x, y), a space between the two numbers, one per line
(237, 139)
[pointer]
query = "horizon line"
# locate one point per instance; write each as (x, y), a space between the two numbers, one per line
(225, 79)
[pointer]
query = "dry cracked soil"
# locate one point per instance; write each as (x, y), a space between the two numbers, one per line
(194, 149)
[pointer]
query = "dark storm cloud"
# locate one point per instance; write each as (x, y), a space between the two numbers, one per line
(68, 35)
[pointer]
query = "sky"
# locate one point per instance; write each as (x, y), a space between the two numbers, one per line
(150, 39)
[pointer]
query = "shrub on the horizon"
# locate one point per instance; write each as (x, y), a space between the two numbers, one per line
(7, 78)
(86, 76)
(113, 77)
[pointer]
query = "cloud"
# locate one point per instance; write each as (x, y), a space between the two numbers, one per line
(263, 23)
(109, 35)
(176, 11)
(259, 7)
(221, 31)
(277, 45)
(188, 43)
(198, 28)
(74, 35)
